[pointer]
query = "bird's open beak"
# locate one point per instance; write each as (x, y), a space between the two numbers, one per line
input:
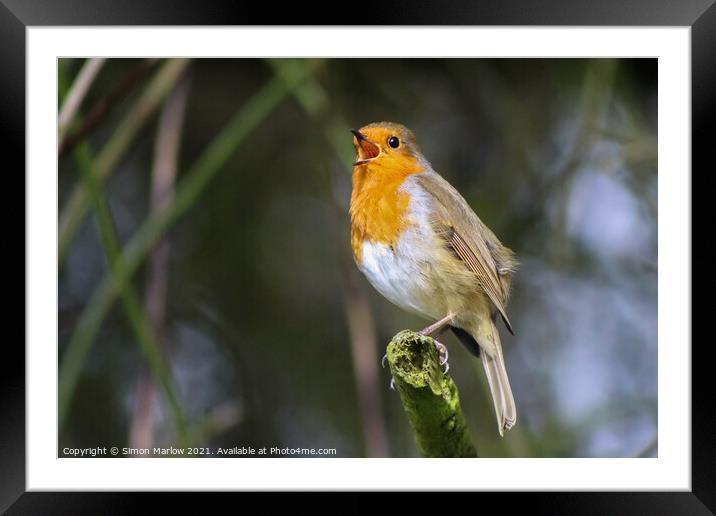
(366, 150)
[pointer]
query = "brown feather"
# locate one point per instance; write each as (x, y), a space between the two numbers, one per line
(472, 241)
(486, 274)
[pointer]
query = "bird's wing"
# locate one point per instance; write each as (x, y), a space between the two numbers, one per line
(467, 236)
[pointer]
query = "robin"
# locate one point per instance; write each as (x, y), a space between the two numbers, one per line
(421, 246)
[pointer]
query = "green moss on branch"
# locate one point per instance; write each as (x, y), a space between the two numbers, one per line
(429, 397)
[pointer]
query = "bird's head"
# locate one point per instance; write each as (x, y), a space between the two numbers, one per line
(387, 145)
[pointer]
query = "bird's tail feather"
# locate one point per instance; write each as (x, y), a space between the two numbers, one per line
(496, 373)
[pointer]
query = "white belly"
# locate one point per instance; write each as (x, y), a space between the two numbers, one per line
(420, 275)
(401, 274)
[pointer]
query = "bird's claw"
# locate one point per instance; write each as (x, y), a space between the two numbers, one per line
(443, 356)
(382, 363)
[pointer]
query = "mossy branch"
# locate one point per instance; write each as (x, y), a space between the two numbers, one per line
(429, 397)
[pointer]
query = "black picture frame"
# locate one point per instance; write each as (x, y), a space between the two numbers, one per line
(17, 15)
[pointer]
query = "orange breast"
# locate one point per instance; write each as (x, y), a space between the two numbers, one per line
(378, 209)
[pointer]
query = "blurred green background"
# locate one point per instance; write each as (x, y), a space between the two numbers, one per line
(207, 293)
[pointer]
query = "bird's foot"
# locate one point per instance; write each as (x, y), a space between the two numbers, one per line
(433, 331)
(382, 363)
(438, 326)
(443, 355)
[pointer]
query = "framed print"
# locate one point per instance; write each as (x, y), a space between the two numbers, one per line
(330, 258)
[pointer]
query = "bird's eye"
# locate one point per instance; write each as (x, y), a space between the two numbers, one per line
(394, 142)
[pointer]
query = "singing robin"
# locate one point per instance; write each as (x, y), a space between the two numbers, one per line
(421, 246)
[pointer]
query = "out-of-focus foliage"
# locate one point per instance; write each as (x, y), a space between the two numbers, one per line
(557, 156)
